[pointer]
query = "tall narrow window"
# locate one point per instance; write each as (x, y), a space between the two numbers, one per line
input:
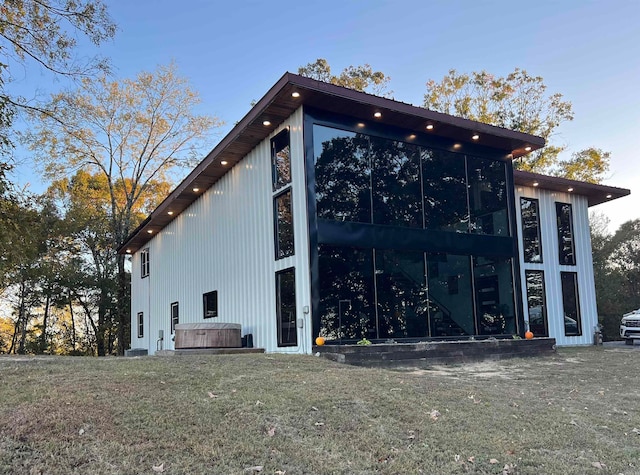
(286, 307)
(210, 302)
(175, 316)
(281, 160)
(531, 242)
(571, 304)
(144, 261)
(283, 225)
(536, 302)
(566, 250)
(140, 325)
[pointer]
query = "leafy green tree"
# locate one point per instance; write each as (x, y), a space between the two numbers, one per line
(361, 78)
(518, 101)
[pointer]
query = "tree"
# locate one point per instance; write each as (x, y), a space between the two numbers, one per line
(45, 33)
(133, 133)
(361, 78)
(519, 102)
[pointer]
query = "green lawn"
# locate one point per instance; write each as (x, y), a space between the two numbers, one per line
(574, 413)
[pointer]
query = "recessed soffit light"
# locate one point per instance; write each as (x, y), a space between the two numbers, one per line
(570, 189)
(475, 136)
(295, 94)
(527, 149)
(150, 231)
(266, 123)
(535, 183)
(609, 196)
(224, 162)
(429, 127)
(196, 189)
(377, 114)
(457, 145)
(170, 213)
(128, 251)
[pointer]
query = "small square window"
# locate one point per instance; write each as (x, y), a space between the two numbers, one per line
(140, 325)
(175, 316)
(210, 301)
(144, 261)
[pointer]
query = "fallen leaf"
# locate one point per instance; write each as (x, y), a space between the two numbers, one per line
(411, 435)
(635, 430)
(319, 423)
(456, 457)
(158, 468)
(434, 414)
(314, 408)
(280, 472)
(212, 396)
(255, 468)
(471, 459)
(599, 465)
(81, 431)
(271, 432)
(493, 461)
(259, 403)
(509, 469)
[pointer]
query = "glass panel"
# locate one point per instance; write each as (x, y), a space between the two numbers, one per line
(286, 301)
(210, 304)
(281, 160)
(343, 175)
(488, 196)
(396, 183)
(531, 245)
(140, 325)
(450, 295)
(564, 217)
(536, 302)
(402, 294)
(284, 225)
(346, 293)
(175, 316)
(570, 303)
(494, 296)
(444, 191)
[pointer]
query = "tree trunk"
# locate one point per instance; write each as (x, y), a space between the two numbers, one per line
(73, 325)
(43, 336)
(22, 320)
(123, 305)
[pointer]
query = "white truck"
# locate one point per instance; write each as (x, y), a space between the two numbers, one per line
(630, 327)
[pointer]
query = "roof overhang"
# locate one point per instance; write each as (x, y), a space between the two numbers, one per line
(280, 102)
(595, 193)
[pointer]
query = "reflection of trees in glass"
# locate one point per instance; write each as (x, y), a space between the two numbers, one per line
(346, 293)
(343, 173)
(536, 302)
(444, 191)
(284, 225)
(451, 308)
(281, 160)
(571, 304)
(564, 217)
(531, 230)
(286, 301)
(495, 307)
(401, 294)
(487, 196)
(396, 183)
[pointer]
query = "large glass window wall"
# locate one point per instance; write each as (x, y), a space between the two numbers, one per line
(386, 266)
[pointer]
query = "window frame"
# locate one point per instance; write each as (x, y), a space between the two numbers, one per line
(144, 263)
(174, 319)
(213, 293)
(576, 297)
(279, 320)
(279, 138)
(536, 202)
(140, 324)
(544, 313)
(278, 249)
(560, 234)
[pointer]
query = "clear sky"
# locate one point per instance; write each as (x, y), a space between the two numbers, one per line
(234, 51)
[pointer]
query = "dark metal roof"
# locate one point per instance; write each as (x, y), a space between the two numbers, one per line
(278, 104)
(596, 194)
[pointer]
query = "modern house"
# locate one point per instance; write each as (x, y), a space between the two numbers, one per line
(330, 212)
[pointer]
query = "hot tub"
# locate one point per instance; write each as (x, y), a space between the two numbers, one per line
(207, 335)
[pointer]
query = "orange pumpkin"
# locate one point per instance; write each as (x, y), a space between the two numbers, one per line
(528, 335)
(320, 341)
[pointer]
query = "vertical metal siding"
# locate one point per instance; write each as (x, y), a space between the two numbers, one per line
(224, 241)
(552, 268)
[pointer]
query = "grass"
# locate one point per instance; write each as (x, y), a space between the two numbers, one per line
(573, 413)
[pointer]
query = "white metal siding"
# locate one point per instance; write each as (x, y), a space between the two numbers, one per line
(552, 268)
(225, 241)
